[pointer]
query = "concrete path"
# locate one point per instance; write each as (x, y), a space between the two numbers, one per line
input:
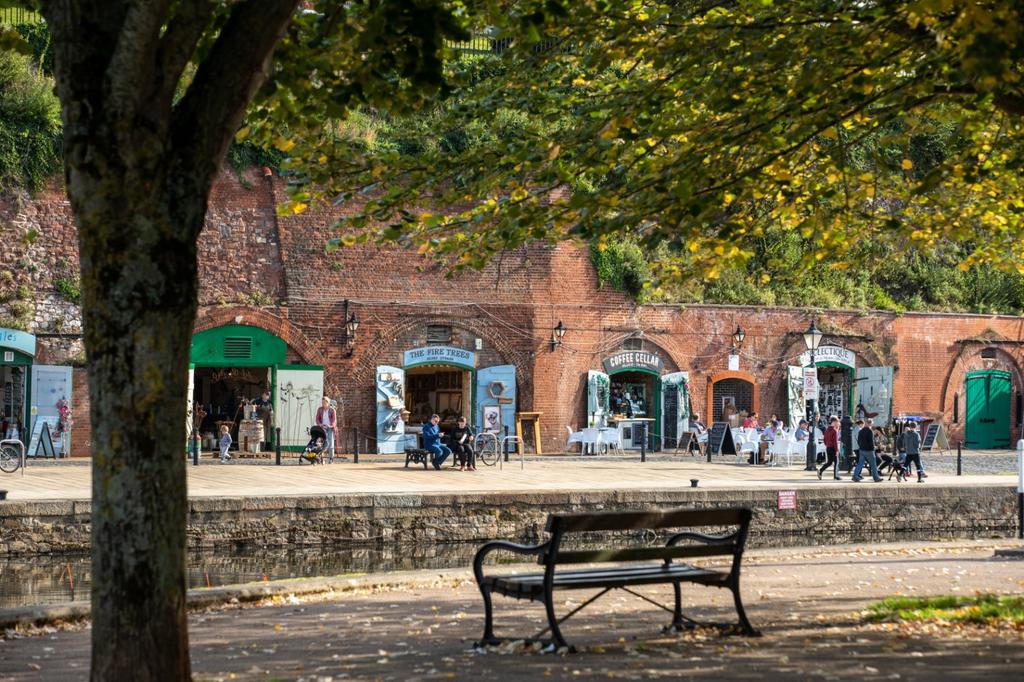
(806, 602)
(556, 474)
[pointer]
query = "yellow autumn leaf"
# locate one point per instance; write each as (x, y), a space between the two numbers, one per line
(907, 164)
(284, 144)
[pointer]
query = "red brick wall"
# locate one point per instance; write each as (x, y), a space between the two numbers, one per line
(273, 272)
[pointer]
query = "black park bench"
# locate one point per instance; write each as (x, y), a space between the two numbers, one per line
(633, 565)
(417, 456)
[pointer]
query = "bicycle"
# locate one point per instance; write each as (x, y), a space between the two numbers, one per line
(486, 446)
(10, 459)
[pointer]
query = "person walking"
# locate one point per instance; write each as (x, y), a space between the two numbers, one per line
(225, 443)
(912, 446)
(432, 442)
(462, 444)
(866, 453)
(831, 439)
(327, 419)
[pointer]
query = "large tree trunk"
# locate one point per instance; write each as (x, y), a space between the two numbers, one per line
(139, 303)
(139, 165)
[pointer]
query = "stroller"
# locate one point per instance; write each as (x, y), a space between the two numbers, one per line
(315, 447)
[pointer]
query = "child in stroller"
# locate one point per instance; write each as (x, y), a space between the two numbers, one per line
(315, 447)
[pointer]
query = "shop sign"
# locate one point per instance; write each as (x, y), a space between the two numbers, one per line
(810, 384)
(632, 359)
(447, 355)
(19, 341)
(841, 356)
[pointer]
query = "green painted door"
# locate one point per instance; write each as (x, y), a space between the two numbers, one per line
(988, 409)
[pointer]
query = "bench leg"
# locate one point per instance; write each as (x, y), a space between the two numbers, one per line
(556, 634)
(679, 621)
(488, 639)
(745, 625)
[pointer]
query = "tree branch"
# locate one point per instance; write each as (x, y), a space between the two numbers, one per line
(130, 73)
(207, 117)
(177, 45)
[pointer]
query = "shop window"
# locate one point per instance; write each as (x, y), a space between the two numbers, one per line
(238, 347)
(438, 334)
(633, 344)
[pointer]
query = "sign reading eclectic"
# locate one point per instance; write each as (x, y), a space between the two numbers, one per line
(835, 354)
(637, 359)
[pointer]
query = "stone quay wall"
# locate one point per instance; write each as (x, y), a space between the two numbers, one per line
(823, 516)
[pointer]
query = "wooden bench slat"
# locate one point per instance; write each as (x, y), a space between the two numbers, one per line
(593, 556)
(533, 584)
(676, 518)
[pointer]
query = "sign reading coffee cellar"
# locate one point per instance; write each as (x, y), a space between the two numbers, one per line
(637, 359)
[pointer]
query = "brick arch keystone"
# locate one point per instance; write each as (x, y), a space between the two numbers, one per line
(262, 319)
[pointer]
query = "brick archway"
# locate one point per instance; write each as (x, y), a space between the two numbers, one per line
(709, 406)
(262, 319)
(954, 390)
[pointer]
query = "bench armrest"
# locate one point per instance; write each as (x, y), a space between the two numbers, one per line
(494, 545)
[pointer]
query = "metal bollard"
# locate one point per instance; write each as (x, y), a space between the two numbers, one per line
(355, 445)
(959, 458)
(195, 452)
(643, 441)
(277, 446)
(504, 443)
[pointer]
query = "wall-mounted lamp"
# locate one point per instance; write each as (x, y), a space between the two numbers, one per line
(737, 337)
(351, 327)
(556, 335)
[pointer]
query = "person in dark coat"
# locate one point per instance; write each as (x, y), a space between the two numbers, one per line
(866, 453)
(461, 440)
(912, 446)
(831, 439)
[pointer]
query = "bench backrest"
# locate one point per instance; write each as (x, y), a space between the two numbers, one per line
(559, 525)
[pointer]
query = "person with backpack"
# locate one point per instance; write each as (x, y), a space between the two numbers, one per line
(866, 453)
(912, 446)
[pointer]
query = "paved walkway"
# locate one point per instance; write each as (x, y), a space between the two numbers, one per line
(806, 602)
(73, 481)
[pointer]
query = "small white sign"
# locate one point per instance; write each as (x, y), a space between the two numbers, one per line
(734, 363)
(8, 356)
(810, 383)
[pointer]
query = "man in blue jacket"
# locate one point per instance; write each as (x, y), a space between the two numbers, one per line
(432, 442)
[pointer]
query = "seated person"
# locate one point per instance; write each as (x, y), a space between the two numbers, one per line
(773, 431)
(432, 441)
(802, 431)
(461, 440)
(751, 421)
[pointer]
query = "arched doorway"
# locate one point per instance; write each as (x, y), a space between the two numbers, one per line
(640, 392)
(735, 388)
(987, 414)
(232, 365)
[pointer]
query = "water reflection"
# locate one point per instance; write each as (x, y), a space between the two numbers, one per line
(51, 579)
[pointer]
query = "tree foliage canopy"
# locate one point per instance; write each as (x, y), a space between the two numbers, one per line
(698, 126)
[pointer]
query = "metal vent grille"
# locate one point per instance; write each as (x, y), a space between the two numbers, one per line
(438, 334)
(238, 347)
(989, 353)
(633, 344)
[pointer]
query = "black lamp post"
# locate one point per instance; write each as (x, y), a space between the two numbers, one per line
(556, 335)
(812, 337)
(351, 327)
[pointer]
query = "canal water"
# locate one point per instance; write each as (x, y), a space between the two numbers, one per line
(54, 579)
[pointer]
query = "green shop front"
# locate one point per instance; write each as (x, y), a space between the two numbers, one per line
(230, 366)
(636, 395)
(32, 397)
(446, 381)
(843, 387)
